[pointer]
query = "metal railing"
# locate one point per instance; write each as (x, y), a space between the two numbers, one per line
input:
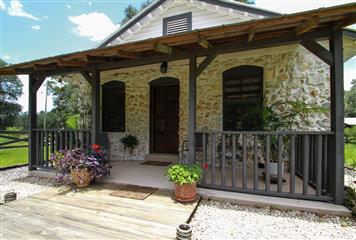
(50, 140)
(285, 164)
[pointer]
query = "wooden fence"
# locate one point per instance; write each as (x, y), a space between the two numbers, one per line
(13, 137)
(244, 161)
(50, 140)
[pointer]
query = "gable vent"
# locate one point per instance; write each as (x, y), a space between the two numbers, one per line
(177, 24)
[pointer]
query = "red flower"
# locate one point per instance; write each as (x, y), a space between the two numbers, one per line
(205, 166)
(95, 146)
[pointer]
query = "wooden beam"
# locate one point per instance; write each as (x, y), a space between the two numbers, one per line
(95, 119)
(204, 43)
(345, 22)
(38, 83)
(234, 46)
(307, 26)
(7, 72)
(89, 58)
(318, 50)
(162, 48)
(127, 54)
(62, 63)
(206, 63)
(251, 34)
(87, 77)
(32, 117)
(49, 66)
(337, 118)
(192, 108)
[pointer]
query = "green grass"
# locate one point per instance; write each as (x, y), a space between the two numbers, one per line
(14, 156)
(350, 154)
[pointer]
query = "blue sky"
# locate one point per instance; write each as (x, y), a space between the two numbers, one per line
(31, 29)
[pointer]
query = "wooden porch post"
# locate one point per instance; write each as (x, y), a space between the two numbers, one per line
(32, 115)
(192, 107)
(337, 117)
(95, 120)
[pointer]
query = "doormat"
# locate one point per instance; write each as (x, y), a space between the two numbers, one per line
(156, 163)
(134, 192)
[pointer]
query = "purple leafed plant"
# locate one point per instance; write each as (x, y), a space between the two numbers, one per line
(93, 159)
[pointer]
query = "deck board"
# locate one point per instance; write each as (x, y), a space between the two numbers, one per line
(93, 214)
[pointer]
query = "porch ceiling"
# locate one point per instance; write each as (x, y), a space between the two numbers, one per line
(289, 28)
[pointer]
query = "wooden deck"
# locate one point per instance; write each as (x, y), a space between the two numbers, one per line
(93, 214)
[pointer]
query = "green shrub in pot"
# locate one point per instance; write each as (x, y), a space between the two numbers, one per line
(185, 177)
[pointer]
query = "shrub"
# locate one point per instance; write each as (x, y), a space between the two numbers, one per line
(184, 173)
(129, 141)
(93, 159)
(350, 134)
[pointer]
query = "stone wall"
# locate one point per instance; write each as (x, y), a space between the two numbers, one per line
(137, 105)
(288, 72)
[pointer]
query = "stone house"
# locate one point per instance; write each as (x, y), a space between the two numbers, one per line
(181, 75)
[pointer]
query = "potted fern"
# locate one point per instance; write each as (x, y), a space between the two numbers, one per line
(185, 177)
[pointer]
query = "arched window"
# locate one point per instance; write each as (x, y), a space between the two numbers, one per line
(113, 107)
(242, 97)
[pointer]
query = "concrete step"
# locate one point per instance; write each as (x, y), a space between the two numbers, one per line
(162, 157)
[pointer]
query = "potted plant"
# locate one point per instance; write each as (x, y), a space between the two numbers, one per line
(185, 177)
(81, 165)
(295, 115)
(265, 118)
(129, 142)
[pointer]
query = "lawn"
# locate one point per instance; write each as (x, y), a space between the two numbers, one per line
(350, 154)
(14, 156)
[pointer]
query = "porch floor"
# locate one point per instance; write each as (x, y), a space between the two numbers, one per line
(132, 172)
(93, 214)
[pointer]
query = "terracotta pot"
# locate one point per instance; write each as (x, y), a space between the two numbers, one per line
(186, 192)
(81, 177)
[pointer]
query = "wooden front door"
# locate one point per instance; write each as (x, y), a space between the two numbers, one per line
(164, 118)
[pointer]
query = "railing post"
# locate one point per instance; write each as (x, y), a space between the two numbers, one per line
(32, 114)
(337, 117)
(192, 108)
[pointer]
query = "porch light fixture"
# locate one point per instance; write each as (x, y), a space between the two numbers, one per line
(164, 67)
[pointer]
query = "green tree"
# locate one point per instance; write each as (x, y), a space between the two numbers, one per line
(350, 100)
(51, 119)
(10, 92)
(130, 11)
(22, 121)
(71, 98)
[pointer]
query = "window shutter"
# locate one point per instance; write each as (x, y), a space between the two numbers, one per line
(242, 93)
(177, 24)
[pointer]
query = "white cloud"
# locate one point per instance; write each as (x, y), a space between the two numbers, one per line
(68, 6)
(95, 26)
(6, 57)
(2, 5)
(16, 9)
(45, 17)
(36, 27)
(90, 3)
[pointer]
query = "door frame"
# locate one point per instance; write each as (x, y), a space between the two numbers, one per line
(158, 82)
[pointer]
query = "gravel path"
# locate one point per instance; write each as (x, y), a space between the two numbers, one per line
(350, 178)
(17, 180)
(217, 220)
